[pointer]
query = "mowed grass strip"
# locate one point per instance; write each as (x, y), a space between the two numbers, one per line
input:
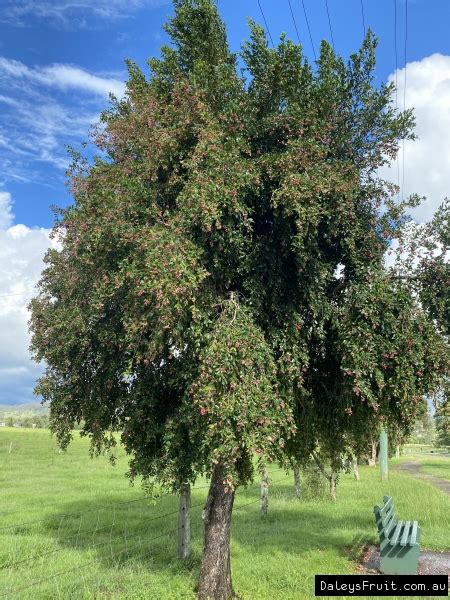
(99, 537)
(437, 466)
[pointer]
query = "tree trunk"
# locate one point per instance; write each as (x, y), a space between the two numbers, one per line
(264, 499)
(184, 523)
(356, 469)
(397, 452)
(373, 457)
(215, 572)
(297, 482)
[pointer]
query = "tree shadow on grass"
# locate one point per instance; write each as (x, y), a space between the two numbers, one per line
(145, 534)
(139, 538)
(105, 539)
(303, 526)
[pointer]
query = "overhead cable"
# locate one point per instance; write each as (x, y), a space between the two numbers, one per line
(295, 23)
(309, 29)
(265, 22)
(329, 23)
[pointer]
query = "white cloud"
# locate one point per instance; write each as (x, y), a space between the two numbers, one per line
(21, 252)
(63, 77)
(72, 13)
(427, 160)
(67, 76)
(6, 216)
(40, 114)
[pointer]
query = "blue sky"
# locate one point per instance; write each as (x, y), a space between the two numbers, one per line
(60, 58)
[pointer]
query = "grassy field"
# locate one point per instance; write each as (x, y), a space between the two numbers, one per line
(425, 449)
(433, 464)
(80, 531)
(440, 467)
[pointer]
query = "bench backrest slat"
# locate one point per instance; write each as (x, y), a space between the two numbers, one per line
(385, 515)
(387, 504)
(387, 528)
(386, 520)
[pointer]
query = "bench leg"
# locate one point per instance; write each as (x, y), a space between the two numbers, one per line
(399, 560)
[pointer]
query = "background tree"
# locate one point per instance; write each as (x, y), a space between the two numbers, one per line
(442, 423)
(381, 356)
(194, 304)
(423, 259)
(422, 262)
(423, 431)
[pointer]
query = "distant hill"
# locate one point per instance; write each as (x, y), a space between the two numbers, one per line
(22, 410)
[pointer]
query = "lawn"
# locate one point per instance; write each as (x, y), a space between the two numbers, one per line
(440, 467)
(115, 544)
(429, 463)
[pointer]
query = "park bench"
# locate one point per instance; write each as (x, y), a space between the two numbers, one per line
(399, 541)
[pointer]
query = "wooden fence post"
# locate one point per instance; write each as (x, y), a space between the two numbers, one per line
(264, 501)
(184, 522)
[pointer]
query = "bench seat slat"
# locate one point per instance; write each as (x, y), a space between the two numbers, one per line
(413, 538)
(405, 533)
(396, 535)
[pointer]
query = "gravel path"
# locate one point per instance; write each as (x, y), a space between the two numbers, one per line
(414, 469)
(430, 563)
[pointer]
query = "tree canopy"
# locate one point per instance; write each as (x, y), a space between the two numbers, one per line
(220, 290)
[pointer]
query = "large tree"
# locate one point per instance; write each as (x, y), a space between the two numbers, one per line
(422, 262)
(194, 304)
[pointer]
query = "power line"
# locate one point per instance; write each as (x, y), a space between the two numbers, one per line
(404, 94)
(396, 56)
(265, 22)
(293, 18)
(309, 29)
(329, 23)
(363, 19)
(396, 90)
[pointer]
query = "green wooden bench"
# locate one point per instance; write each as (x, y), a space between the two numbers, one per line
(399, 541)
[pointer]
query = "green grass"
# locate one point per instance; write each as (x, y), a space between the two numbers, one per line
(439, 466)
(110, 552)
(428, 449)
